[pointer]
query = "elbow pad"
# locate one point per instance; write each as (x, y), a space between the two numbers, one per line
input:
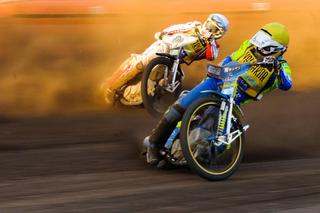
(285, 81)
(284, 78)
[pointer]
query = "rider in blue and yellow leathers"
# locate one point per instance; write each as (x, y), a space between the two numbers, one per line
(270, 42)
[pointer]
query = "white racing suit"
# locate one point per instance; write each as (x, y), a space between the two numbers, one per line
(170, 38)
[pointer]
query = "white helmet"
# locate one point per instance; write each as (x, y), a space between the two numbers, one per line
(217, 24)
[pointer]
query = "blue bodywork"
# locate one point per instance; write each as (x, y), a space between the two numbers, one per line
(211, 86)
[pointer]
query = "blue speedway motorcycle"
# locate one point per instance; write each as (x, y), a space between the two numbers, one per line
(210, 137)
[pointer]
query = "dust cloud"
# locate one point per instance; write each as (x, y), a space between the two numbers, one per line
(57, 64)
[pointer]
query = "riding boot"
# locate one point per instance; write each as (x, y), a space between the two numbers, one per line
(161, 133)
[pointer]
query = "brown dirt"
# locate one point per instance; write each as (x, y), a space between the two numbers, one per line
(90, 162)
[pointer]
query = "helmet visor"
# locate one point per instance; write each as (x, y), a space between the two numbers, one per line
(261, 40)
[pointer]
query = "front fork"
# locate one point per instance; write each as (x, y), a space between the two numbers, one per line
(224, 134)
(174, 84)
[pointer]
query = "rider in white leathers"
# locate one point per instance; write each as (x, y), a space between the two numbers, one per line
(212, 29)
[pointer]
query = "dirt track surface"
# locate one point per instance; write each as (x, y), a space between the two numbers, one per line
(90, 163)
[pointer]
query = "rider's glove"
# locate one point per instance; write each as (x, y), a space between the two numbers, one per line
(273, 62)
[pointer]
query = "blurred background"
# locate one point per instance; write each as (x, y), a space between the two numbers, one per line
(55, 53)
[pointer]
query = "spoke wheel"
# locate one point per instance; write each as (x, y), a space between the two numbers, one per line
(211, 160)
(154, 88)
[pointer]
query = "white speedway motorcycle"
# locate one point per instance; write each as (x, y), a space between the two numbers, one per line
(161, 82)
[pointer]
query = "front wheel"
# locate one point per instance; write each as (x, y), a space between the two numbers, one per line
(203, 155)
(154, 86)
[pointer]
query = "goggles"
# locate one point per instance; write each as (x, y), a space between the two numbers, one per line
(271, 49)
(214, 28)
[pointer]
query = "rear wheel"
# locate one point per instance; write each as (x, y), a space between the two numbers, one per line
(155, 78)
(199, 126)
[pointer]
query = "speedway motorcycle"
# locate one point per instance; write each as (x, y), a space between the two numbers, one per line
(161, 82)
(210, 137)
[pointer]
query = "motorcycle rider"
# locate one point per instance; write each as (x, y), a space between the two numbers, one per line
(269, 43)
(212, 29)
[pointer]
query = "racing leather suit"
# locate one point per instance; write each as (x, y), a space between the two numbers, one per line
(257, 80)
(168, 39)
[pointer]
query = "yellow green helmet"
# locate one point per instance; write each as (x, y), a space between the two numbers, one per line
(278, 32)
(273, 38)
